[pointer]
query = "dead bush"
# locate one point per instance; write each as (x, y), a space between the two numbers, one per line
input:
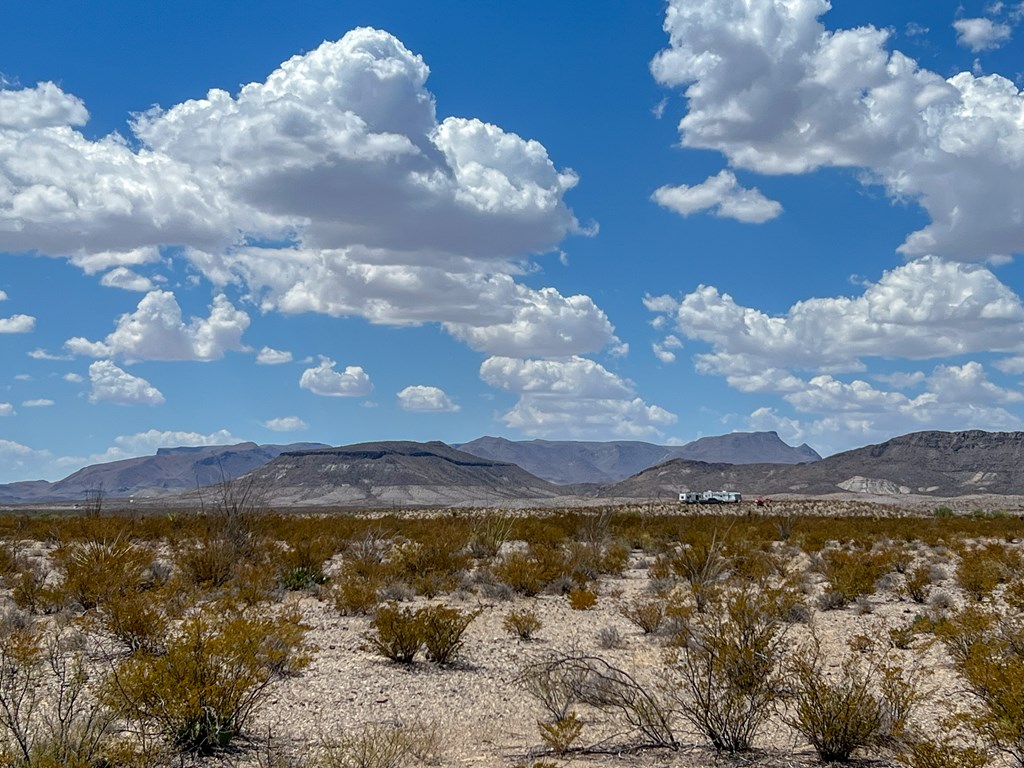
(95, 572)
(563, 680)
(47, 717)
(388, 745)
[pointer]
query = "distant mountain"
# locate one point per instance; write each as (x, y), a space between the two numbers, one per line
(746, 448)
(171, 470)
(571, 461)
(399, 473)
(931, 463)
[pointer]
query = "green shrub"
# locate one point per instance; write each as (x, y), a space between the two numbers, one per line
(561, 734)
(726, 677)
(862, 706)
(853, 573)
(215, 671)
(523, 572)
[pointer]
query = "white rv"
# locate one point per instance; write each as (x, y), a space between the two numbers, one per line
(711, 497)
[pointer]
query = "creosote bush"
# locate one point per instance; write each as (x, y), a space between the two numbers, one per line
(216, 669)
(863, 706)
(522, 623)
(725, 674)
(399, 632)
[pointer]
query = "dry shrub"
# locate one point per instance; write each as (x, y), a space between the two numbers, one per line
(399, 633)
(726, 676)
(852, 574)
(395, 745)
(524, 573)
(137, 620)
(95, 572)
(981, 570)
(489, 532)
(301, 565)
(942, 753)
(704, 565)
(562, 680)
(215, 671)
(646, 614)
(47, 718)
(864, 705)
(522, 623)
(442, 630)
(581, 599)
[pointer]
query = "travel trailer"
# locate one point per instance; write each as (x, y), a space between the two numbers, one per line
(711, 497)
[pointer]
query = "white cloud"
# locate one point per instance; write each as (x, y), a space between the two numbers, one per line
(774, 91)
(424, 399)
(3, 296)
(723, 196)
(156, 331)
(6, 409)
(572, 398)
(324, 380)
(927, 308)
(664, 350)
(340, 153)
(286, 424)
(41, 402)
(269, 356)
(17, 324)
(73, 378)
(126, 279)
(844, 415)
(981, 34)
(42, 354)
(111, 384)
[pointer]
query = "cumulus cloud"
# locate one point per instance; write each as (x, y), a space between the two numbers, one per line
(73, 378)
(981, 34)
(340, 154)
(156, 331)
(40, 402)
(837, 415)
(17, 324)
(3, 296)
(112, 384)
(490, 312)
(776, 92)
(572, 398)
(424, 399)
(665, 349)
(126, 279)
(324, 380)
(270, 356)
(286, 424)
(723, 196)
(6, 409)
(927, 308)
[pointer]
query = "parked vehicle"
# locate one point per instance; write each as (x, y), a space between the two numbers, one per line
(711, 497)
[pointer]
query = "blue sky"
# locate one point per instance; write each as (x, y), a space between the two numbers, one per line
(352, 221)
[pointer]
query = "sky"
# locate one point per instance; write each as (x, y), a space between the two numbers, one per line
(349, 221)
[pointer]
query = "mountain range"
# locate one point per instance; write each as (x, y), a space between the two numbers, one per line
(571, 461)
(402, 473)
